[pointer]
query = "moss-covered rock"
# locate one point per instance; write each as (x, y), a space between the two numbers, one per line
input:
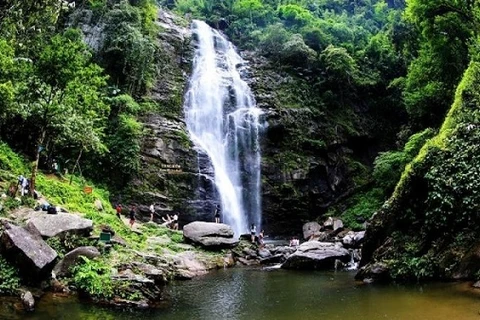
(429, 227)
(314, 154)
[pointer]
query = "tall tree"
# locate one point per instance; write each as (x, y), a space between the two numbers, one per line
(62, 88)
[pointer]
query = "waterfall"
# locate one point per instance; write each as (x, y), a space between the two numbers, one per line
(224, 123)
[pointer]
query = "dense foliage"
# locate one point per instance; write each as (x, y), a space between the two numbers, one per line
(433, 216)
(66, 102)
(397, 61)
(93, 278)
(388, 66)
(9, 279)
(345, 49)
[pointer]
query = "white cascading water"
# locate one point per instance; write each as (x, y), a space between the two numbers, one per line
(224, 123)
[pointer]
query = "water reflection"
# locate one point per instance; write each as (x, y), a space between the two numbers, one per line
(252, 294)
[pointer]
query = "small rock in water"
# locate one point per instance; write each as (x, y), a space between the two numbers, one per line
(28, 301)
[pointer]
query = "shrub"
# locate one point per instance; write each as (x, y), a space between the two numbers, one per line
(9, 280)
(11, 203)
(390, 165)
(11, 161)
(93, 278)
(361, 207)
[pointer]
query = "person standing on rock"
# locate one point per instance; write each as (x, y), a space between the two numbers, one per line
(175, 222)
(217, 214)
(152, 211)
(253, 232)
(132, 216)
(261, 241)
(118, 208)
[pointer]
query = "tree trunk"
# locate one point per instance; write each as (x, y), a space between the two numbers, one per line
(35, 164)
(76, 164)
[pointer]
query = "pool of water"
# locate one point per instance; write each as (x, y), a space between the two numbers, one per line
(238, 294)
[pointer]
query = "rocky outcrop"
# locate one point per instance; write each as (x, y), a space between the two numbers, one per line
(309, 158)
(311, 229)
(63, 267)
(375, 272)
(29, 253)
(429, 227)
(59, 225)
(353, 239)
(210, 235)
(316, 255)
(169, 165)
(151, 272)
(187, 266)
(145, 290)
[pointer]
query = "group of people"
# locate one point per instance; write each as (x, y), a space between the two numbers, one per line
(172, 221)
(131, 214)
(169, 221)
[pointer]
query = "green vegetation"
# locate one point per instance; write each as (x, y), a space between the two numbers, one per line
(66, 244)
(390, 165)
(9, 279)
(93, 277)
(354, 81)
(360, 208)
(10, 161)
(61, 100)
(435, 204)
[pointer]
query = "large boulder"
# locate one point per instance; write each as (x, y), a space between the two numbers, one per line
(317, 255)
(337, 224)
(349, 239)
(311, 229)
(59, 225)
(63, 267)
(209, 234)
(136, 290)
(28, 252)
(188, 265)
(374, 272)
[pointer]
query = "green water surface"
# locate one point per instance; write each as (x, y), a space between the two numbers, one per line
(239, 294)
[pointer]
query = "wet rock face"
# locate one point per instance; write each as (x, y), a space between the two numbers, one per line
(28, 301)
(29, 253)
(169, 174)
(311, 229)
(304, 169)
(374, 272)
(310, 155)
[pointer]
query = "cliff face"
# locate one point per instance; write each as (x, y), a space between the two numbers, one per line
(429, 228)
(169, 164)
(310, 159)
(313, 156)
